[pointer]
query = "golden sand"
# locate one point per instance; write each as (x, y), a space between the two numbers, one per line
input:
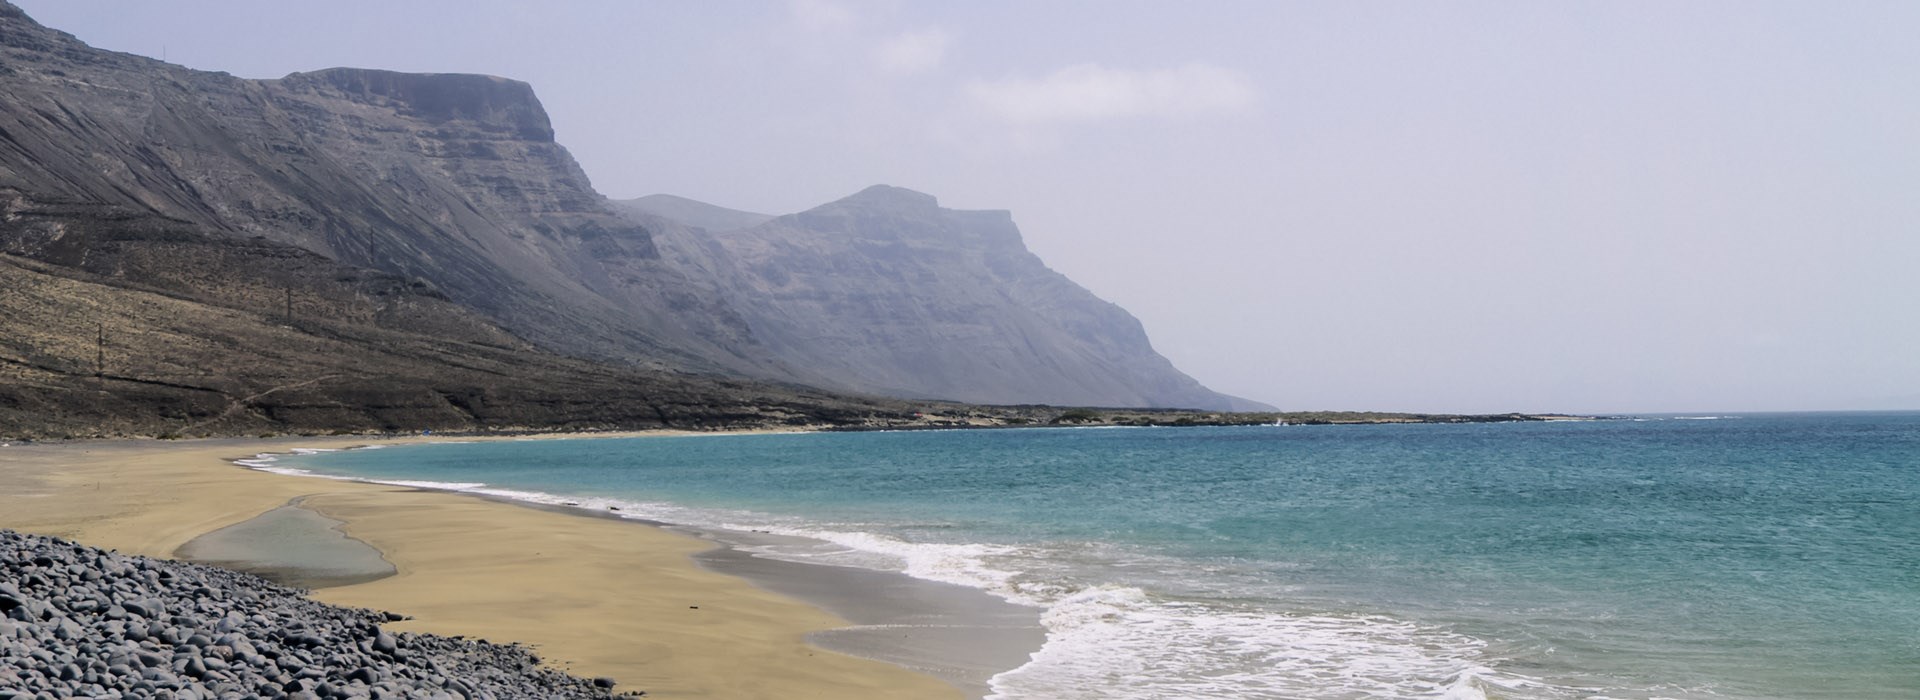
(595, 597)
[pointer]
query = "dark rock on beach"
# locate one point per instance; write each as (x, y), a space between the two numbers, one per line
(82, 622)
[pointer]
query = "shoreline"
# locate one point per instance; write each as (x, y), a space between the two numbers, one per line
(960, 634)
(597, 596)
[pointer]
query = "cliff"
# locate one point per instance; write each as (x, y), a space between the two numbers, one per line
(415, 238)
(451, 179)
(189, 253)
(887, 292)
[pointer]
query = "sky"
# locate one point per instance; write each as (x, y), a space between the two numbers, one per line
(1459, 207)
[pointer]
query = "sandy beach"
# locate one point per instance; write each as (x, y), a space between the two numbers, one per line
(597, 597)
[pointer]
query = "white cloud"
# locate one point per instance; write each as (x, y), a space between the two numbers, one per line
(912, 52)
(1089, 92)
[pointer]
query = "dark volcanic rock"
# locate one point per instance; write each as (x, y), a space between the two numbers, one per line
(887, 292)
(200, 632)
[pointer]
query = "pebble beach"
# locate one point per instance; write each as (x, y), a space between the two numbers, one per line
(591, 597)
(85, 622)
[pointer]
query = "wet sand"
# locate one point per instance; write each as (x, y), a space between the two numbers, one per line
(290, 545)
(960, 634)
(596, 596)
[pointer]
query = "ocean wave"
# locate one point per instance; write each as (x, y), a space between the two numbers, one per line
(1115, 641)
(1122, 642)
(959, 564)
(663, 512)
(267, 462)
(472, 486)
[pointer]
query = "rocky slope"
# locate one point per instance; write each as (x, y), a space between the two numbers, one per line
(451, 179)
(88, 355)
(887, 292)
(187, 253)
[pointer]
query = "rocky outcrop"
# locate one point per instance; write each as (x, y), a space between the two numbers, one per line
(887, 292)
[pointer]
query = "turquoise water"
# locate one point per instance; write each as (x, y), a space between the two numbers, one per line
(1756, 556)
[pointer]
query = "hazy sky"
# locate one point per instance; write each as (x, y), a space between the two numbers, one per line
(1603, 206)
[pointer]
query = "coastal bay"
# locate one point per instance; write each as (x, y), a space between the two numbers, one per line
(1546, 559)
(1035, 352)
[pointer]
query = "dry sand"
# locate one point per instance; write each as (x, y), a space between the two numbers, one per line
(596, 597)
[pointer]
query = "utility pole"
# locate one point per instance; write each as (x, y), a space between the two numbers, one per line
(100, 354)
(289, 306)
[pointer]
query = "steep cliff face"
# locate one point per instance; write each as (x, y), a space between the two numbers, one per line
(189, 253)
(452, 179)
(439, 205)
(887, 292)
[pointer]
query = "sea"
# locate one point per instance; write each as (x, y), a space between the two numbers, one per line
(1750, 556)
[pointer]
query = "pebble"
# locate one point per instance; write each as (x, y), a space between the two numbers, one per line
(82, 622)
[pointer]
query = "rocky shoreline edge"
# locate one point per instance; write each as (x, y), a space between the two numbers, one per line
(76, 621)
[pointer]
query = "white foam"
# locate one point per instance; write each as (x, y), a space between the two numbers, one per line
(290, 471)
(960, 564)
(434, 485)
(1119, 642)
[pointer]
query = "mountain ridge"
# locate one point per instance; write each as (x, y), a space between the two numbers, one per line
(694, 212)
(427, 202)
(450, 178)
(909, 298)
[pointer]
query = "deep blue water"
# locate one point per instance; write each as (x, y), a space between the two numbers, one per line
(1756, 556)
